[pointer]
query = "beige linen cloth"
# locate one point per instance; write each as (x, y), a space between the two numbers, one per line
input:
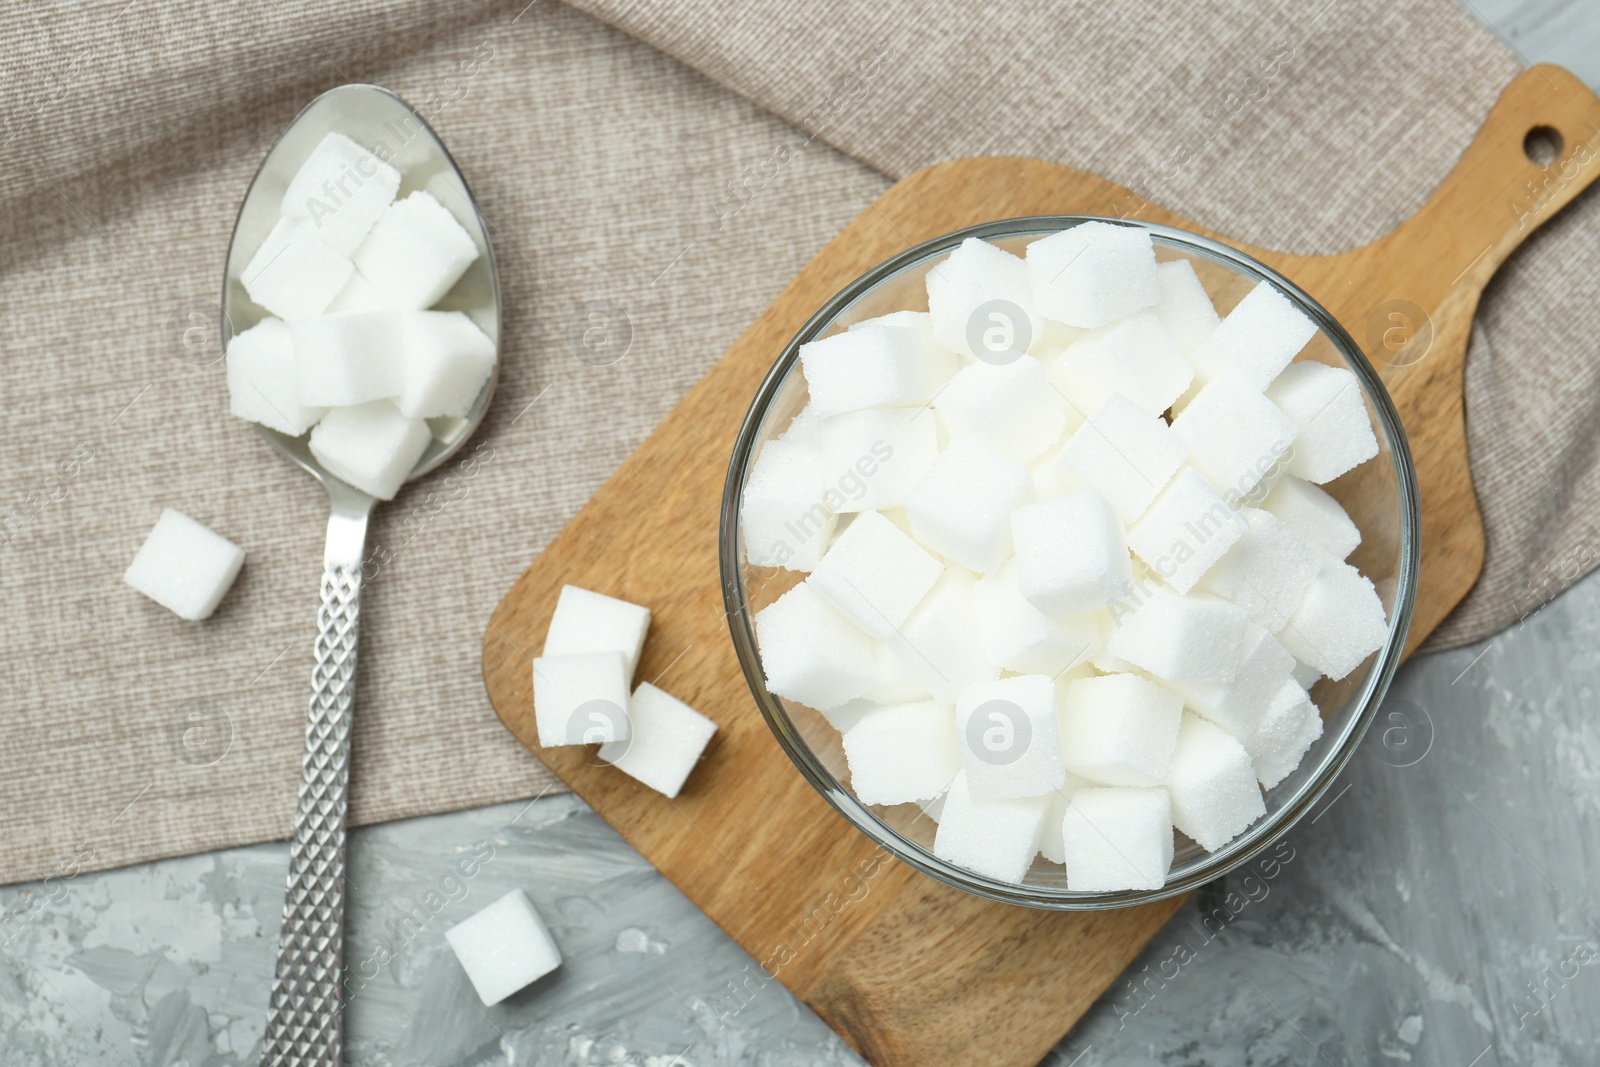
(612, 175)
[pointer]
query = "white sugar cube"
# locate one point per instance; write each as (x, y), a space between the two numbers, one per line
(1019, 637)
(261, 382)
(1009, 407)
(446, 360)
(872, 458)
(294, 275)
(1119, 729)
(1117, 838)
(184, 566)
(902, 753)
(1051, 845)
(665, 740)
(1185, 308)
(359, 295)
(370, 446)
(811, 653)
(1340, 621)
(1009, 742)
(1255, 341)
(997, 838)
(920, 321)
(961, 507)
(1185, 530)
(586, 621)
(504, 947)
(1285, 734)
(1070, 553)
(339, 192)
(1267, 572)
(416, 251)
(1234, 434)
(1124, 452)
(784, 518)
(580, 699)
(939, 645)
(348, 359)
(1194, 638)
(1314, 516)
(1213, 785)
(980, 303)
(1136, 357)
(1326, 404)
(875, 366)
(1239, 705)
(1093, 273)
(875, 573)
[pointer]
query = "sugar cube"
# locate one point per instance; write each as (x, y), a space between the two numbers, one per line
(261, 382)
(1255, 341)
(902, 753)
(811, 653)
(347, 359)
(1285, 734)
(446, 360)
(665, 740)
(1116, 838)
(1185, 530)
(872, 458)
(996, 838)
(1093, 273)
(875, 573)
(1212, 784)
(875, 366)
(980, 303)
(1019, 637)
(586, 621)
(294, 275)
(1009, 742)
(1136, 357)
(1124, 452)
(1185, 308)
(1326, 404)
(1238, 706)
(1340, 621)
(184, 566)
(1266, 572)
(1234, 434)
(1118, 729)
(784, 517)
(504, 947)
(961, 507)
(580, 699)
(339, 192)
(1070, 553)
(416, 252)
(939, 645)
(1194, 638)
(1314, 516)
(1009, 407)
(370, 446)
(1051, 844)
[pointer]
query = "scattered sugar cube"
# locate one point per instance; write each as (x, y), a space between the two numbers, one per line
(1326, 404)
(784, 517)
(294, 275)
(939, 645)
(980, 303)
(1285, 734)
(1267, 572)
(1238, 706)
(1213, 785)
(1136, 357)
(875, 573)
(1314, 516)
(902, 753)
(1070, 553)
(1339, 623)
(1185, 530)
(1185, 308)
(1117, 838)
(1119, 729)
(1124, 452)
(348, 359)
(875, 366)
(446, 360)
(1019, 637)
(811, 653)
(504, 947)
(961, 508)
(1009, 742)
(184, 566)
(1255, 341)
(1234, 434)
(1194, 638)
(872, 458)
(586, 621)
(339, 192)
(997, 838)
(1051, 844)
(261, 384)
(416, 251)
(580, 699)
(1009, 407)
(1093, 273)
(666, 739)
(370, 446)
(359, 295)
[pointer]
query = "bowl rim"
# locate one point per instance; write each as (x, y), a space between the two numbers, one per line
(1265, 832)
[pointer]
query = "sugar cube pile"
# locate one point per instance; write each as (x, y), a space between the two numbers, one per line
(1065, 569)
(350, 349)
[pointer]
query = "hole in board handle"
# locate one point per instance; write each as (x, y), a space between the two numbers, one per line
(1543, 145)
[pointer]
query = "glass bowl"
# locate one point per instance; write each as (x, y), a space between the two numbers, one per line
(1380, 495)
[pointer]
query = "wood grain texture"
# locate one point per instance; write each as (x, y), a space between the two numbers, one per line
(910, 971)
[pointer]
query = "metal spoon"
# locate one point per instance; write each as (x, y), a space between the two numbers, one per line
(304, 1027)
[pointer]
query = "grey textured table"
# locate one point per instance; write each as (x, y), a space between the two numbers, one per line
(1436, 909)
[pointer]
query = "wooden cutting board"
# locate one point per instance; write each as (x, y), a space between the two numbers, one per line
(908, 970)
